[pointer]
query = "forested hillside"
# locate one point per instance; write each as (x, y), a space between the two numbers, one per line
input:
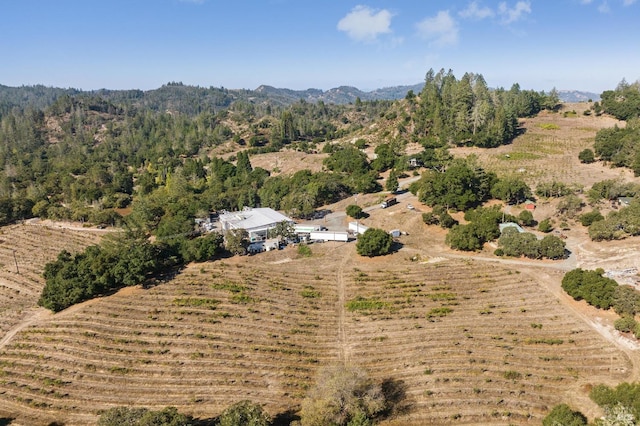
(70, 155)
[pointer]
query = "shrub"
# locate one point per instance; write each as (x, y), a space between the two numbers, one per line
(342, 396)
(512, 375)
(526, 218)
(244, 413)
(304, 250)
(563, 415)
(354, 211)
(552, 247)
(586, 219)
(625, 324)
(360, 143)
(374, 242)
(586, 156)
(545, 225)
(626, 300)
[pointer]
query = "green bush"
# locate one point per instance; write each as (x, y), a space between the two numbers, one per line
(526, 218)
(586, 219)
(591, 286)
(545, 225)
(244, 413)
(374, 242)
(354, 211)
(563, 415)
(586, 156)
(626, 300)
(625, 324)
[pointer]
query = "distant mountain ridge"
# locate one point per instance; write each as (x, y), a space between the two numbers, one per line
(348, 94)
(192, 100)
(340, 95)
(577, 96)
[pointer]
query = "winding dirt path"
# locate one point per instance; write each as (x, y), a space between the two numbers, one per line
(32, 317)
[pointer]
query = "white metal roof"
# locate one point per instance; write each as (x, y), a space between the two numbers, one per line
(253, 218)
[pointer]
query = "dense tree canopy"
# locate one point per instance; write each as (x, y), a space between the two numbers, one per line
(460, 186)
(591, 286)
(623, 102)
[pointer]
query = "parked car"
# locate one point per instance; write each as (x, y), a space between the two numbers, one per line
(410, 206)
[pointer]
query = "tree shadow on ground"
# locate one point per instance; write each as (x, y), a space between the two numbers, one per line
(6, 421)
(285, 418)
(395, 247)
(395, 393)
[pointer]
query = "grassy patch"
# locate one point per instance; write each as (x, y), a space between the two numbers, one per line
(549, 126)
(304, 250)
(196, 302)
(364, 304)
(442, 296)
(439, 312)
(309, 292)
(512, 375)
(230, 286)
(242, 299)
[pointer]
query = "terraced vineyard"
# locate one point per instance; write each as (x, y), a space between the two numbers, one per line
(456, 341)
(24, 250)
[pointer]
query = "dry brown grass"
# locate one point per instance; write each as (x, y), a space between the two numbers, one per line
(34, 246)
(548, 149)
(259, 328)
(467, 340)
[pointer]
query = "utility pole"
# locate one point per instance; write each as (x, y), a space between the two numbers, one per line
(16, 262)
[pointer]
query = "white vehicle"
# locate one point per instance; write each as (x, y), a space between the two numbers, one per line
(410, 206)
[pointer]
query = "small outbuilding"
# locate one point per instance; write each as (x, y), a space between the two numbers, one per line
(506, 225)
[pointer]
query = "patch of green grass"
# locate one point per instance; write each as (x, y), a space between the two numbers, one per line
(196, 302)
(549, 126)
(442, 296)
(364, 304)
(512, 375)
(309, 292)
(242, 299)
(439, 312)
(304, 250)
(231, 286)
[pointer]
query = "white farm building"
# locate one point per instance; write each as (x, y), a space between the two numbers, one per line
(256, 221)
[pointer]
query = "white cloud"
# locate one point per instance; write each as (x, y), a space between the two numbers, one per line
(366, 24)
(510, 15)
(628, 2)
(586, 1)
(442, 29)
(474, 11)
(604, 7)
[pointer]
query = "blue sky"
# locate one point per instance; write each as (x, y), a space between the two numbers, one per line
(299, 44)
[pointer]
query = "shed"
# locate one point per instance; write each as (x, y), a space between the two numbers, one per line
(506, 225)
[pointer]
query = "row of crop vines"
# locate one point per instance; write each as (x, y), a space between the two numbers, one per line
(215, 334)
(471, 342)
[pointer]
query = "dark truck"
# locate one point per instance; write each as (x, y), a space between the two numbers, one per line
(388, 202)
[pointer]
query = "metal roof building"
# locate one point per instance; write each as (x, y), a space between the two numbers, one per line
(256, 221)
